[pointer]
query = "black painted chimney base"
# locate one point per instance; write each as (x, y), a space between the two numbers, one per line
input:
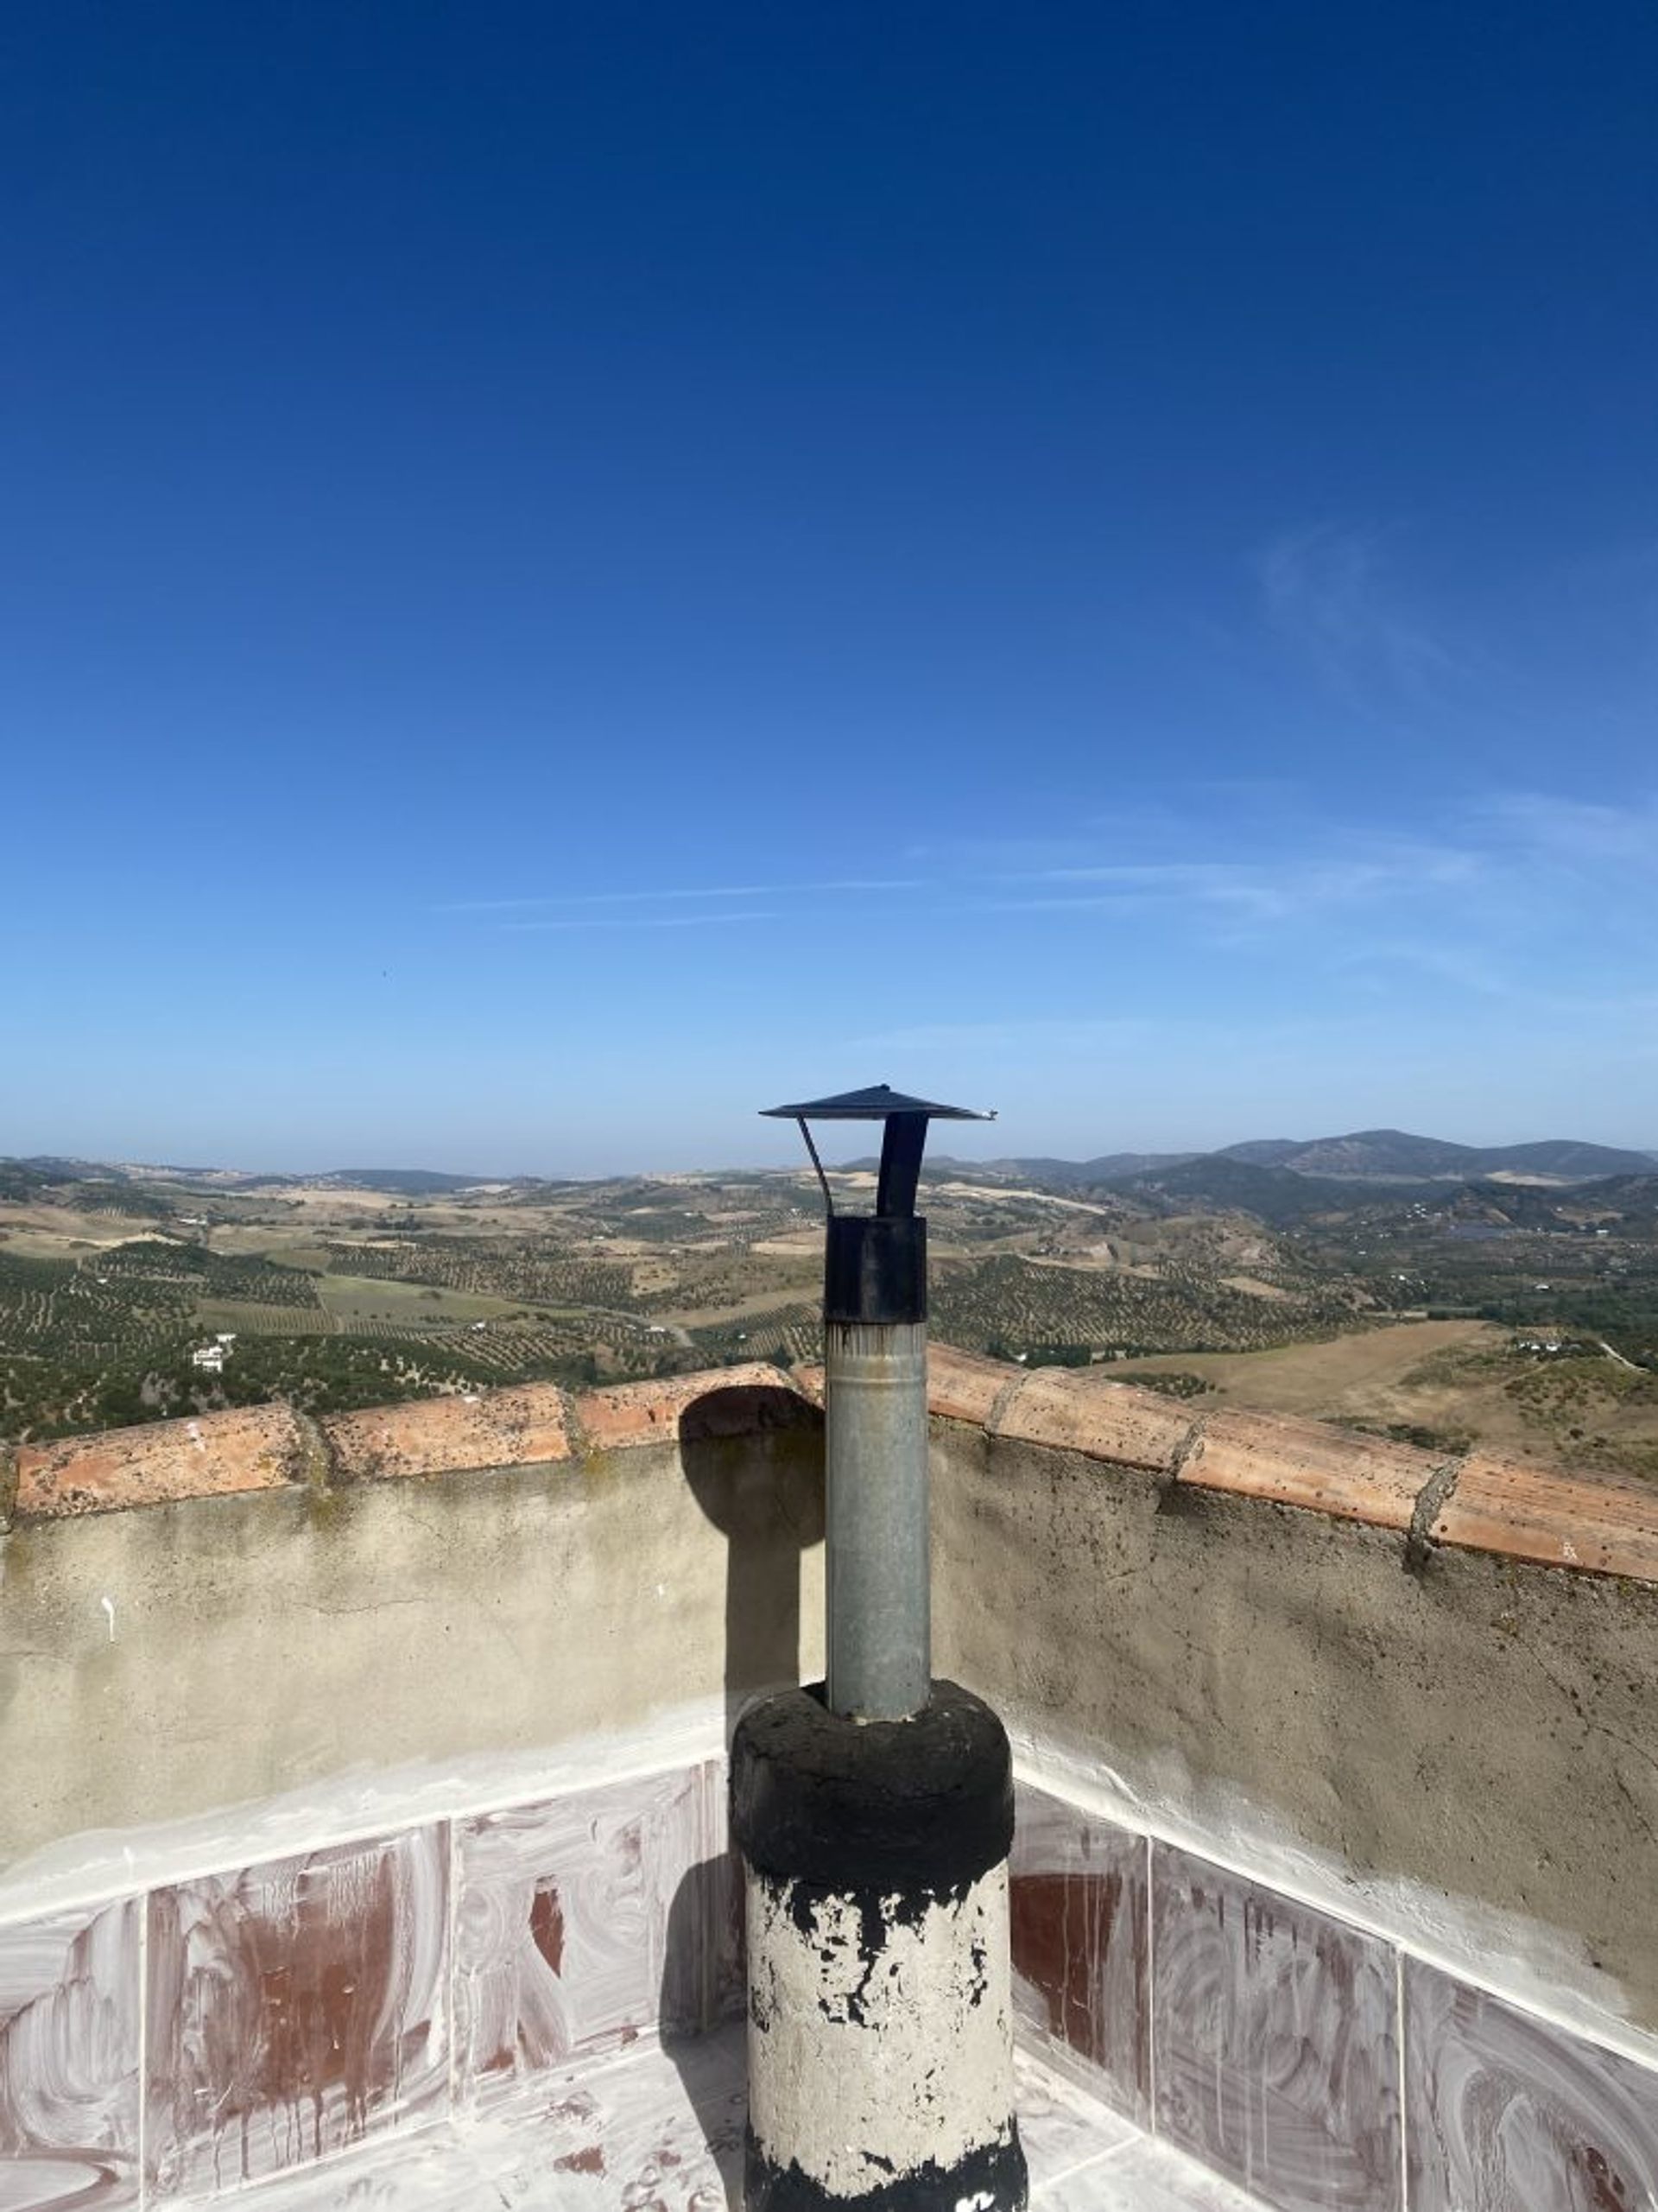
(880, 1995)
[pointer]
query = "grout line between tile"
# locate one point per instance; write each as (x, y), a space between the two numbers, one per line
(143, 1909)
(1151, 1988)
(1404, 2130)
(1082, 2165)
(1112, 2156)
(452, 1976)
(364, 2150)
(1044, 2068)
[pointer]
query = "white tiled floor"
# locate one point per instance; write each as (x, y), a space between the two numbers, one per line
(660, 2130)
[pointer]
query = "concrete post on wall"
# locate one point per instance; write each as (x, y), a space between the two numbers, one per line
(875, 1812)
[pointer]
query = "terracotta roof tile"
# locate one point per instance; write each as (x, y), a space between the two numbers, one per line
(1601, 1522)
(519, 1427)
(964, 1387)
(1075, 1410)
(809, 1383)
(1603, 1525)
(1311, 1463)
(649, 1413)
(245, 1448)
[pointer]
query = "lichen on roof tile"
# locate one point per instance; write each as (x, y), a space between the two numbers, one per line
(650, 1412)
(242, 1449)
(519, 1427)
(1079, 1411)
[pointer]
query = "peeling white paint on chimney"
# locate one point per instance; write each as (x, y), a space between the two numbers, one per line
(865, 2067)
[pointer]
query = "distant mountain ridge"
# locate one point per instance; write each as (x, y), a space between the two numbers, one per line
(1278, 1196)
(413, 1183)
(1367, 1155)
(1265, 1174)
(1393, 1155)
(1110, 1167)
(410, 1183)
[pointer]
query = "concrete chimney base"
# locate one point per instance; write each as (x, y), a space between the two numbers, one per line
(880, 2023)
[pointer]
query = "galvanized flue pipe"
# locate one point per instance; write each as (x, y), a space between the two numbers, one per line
(879, 1595)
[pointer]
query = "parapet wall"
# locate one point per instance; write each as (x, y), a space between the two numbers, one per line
(1338, 1851)
(1309, 1726)
(1425, 1689)
(204, 1612)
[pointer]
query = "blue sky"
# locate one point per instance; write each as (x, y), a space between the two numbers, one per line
(568, 572)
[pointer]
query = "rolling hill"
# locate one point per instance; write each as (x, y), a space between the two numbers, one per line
(1391, 1157)
(1395, 1156)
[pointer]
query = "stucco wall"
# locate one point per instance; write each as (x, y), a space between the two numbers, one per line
(1282, 1684)
(165, 1659)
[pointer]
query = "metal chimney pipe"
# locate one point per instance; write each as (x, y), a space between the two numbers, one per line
(879, 1581)
(874, 1811)
(878, 1589)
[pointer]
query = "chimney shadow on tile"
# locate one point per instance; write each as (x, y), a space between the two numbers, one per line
(705, 2043)
(753, 1457)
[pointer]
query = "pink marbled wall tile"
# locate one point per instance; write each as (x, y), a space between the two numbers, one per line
(1507, 2111)
(587, 1921)
(294, 2008)
(1274, 2040)
(69, 2060)
(1077, 1895)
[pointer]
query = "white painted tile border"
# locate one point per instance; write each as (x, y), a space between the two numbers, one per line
(1537, 1969)
(358, 1806)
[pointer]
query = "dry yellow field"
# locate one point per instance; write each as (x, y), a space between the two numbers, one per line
(1457, 1383)
(58, 1232)
(1347, 1377)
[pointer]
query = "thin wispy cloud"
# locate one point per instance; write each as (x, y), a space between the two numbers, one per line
(1266, 890)
(970, 1038)
(670, 897)
(1326, 867)
(1577, 831)
(1332, 595)
(1525, 900)
(637, 921)
(1472, 975)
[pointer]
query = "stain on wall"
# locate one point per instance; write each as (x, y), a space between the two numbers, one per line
(69, 2059)
(1078, 1906)
(1506, 2110)
(565, 1914)
(1274, 2041)
(295, 2008)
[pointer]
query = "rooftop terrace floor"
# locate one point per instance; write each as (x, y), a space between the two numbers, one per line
(660, 2129)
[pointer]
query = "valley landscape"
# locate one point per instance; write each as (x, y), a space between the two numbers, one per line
(1434, 1292)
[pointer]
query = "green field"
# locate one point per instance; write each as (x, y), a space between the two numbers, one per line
(363, 1297)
